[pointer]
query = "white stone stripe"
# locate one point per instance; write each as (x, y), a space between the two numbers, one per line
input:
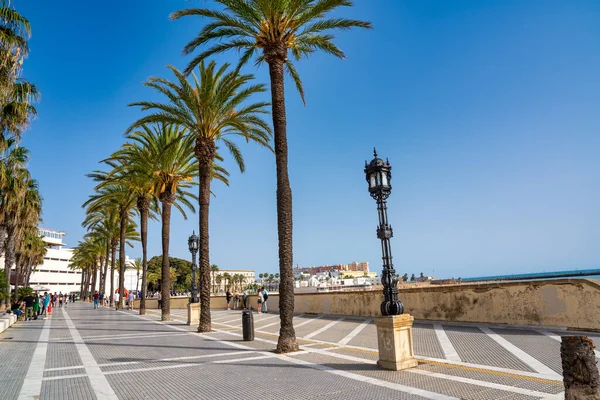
(134, 337)
(158, 368)
(231, 353)
(323, 329)
(147, 333)
(63, 368)
(447, 346)
(521, 355)
(558, 338)
(59, 377)
(191, 364)
(389, 385)
(308, 321)
(487, 384)
(490, 368)
(98, 381)
(32, 385)
(356, 331)
(275, 323)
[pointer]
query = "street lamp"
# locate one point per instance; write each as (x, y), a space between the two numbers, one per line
(379, 175)
(193, 242)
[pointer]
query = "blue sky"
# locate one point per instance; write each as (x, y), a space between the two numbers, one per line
(487, 110)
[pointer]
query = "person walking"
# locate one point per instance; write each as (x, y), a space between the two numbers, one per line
(36, 306)
(260, 301)
(100, 300)
(29, 307)
(43, 303)
(116, 297)
(244, 300)
(228, 298)
(236, 300)
(61, 298)
(265, 295)
(48, 304)
(96, 299)
(131, 299)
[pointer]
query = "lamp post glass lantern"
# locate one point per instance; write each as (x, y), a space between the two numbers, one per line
(379, 176)
(193, 242)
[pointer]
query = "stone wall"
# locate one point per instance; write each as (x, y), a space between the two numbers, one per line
(572, 303)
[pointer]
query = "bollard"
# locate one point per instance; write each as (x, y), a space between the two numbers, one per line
(247, 326)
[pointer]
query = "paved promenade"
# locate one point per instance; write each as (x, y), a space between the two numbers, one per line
(81, 353)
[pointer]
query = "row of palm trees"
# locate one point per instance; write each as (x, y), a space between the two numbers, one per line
(206, 114)
(20, 200)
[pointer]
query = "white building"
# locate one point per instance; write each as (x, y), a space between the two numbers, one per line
(55, 276)
(248, 274)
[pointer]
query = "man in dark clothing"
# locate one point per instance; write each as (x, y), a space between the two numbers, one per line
(29, 307)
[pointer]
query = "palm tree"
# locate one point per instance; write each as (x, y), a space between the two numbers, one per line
(211, 110)
(137, 266)
(142, 185)
(16, 93)
(213, 270)
(227, 279)
(268, 29)
(105, 221)
(115, 189)
(218, 280)
(159, 162)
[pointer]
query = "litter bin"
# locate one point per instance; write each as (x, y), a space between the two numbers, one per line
(248, 325)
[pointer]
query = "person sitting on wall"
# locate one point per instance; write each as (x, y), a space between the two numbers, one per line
(17, 308)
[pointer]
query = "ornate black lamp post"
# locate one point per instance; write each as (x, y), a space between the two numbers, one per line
(379, 175)
(193, 242)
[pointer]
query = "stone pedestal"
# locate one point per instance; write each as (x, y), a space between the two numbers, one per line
(395, 340)
(193, 314)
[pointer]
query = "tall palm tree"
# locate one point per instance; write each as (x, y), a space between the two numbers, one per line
(167, 151)
(218, 280)
(142, 184)
(105, 222)
(114, 189)
(213, 270)
(268, 30)
(213, 109)
(137, 266)
(16, 93)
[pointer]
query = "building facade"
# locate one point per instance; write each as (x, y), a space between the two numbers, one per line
(353, 266)
(248, 274)
(55, 276)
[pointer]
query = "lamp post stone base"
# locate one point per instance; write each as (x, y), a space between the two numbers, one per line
(395, 341)
(193, 314)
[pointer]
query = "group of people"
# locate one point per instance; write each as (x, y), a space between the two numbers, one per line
(35, 305)
(261, 307)
(101, 300)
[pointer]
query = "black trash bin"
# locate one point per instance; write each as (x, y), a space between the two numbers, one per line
(248, 325)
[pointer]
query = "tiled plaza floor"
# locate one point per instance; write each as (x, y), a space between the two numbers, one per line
(80, 353)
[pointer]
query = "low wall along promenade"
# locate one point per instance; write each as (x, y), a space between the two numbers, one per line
(571, 303)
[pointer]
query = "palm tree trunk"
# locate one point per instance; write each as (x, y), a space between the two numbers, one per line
(2, 238)
(81, 297)
(287, 335)
(205, 152)
(94, 276)
(9, 259)
(144, 211)
(122, 232)
(104, 274)
(165, 288)
(112, 273)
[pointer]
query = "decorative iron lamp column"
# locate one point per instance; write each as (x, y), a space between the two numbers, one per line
(193, 246)
(394, 328)
(379, 176)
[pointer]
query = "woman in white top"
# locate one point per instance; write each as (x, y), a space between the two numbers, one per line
(260, 300)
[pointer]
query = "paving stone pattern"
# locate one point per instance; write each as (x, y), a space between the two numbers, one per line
(142, 358)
